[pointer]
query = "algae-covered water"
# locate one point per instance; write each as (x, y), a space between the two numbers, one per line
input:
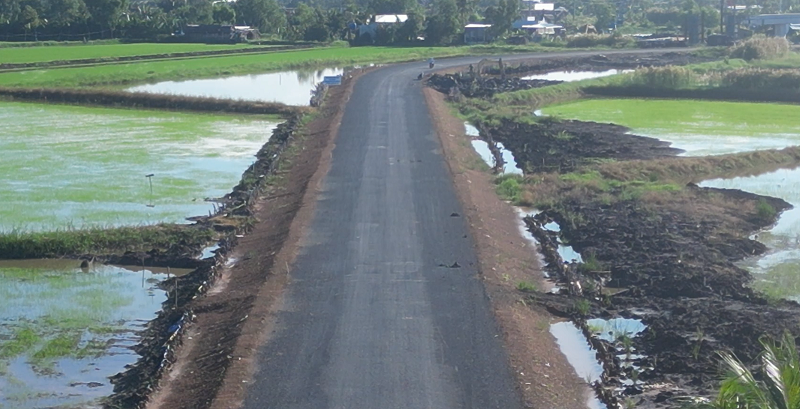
(64, 330)
(68, 166)
(712, 128)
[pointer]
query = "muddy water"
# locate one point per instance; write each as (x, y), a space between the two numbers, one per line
(288, 87)
(64, 330)
(66, 166)
(580, 355)
(569, 76)
(482, 148)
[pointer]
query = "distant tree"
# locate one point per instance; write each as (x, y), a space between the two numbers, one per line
(195, 12)
(390, 6)
(223, 14)
(266, 15)
(466, 8)
(29, 19)
(502, 16)
(411, 29)
(9, 11)
(605, 14)
(445, 25)
(106, 13)
(64, 13)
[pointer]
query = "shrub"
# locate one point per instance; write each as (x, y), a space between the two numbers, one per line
(765, 211)
(664, 77)
(760, 48)
(508, 188)
(762, 79)
(526, 286)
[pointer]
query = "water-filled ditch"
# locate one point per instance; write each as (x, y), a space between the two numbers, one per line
(289, 87)
(65, 330)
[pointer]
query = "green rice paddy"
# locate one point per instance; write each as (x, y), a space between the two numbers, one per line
(686, 117)
(69, 166)
(206, 67)
(79, 52)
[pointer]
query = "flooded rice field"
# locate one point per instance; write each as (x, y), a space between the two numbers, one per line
(289, 87)
(713, 128)
(69, 166)
(570, 76)
(65, 330)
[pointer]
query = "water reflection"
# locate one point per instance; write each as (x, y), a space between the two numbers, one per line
(288, 87)
(569, 76)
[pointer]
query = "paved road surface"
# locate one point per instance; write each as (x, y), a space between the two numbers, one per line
(375, 318)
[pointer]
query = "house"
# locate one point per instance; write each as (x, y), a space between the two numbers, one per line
(477, 33)
(380, 21)
(539, 28)
(779, 24)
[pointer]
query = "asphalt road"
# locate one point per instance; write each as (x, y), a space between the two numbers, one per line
(376, 317)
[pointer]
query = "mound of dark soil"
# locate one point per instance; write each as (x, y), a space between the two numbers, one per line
(565, 145)
(473, 86)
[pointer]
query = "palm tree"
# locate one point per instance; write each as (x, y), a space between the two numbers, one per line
(777, 388)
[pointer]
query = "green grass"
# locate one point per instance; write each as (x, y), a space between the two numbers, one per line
(58, 243)
(685, 117)
(508, 187)
(526, 286)
(19, 342)
(240, 64)
(79, 52)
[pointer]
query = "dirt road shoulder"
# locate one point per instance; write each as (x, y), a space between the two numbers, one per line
(543, 374)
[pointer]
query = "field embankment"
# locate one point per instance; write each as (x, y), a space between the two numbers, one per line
(109, 98)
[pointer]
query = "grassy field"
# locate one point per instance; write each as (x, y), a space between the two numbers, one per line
(78, 52)
(659, 117)
(240, 64)
(68, 166)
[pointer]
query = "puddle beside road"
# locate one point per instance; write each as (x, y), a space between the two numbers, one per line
(65, 330)
(482, 148)
(570, 76)
(288, 87)
(580, 355)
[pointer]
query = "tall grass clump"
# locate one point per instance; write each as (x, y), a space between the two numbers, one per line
(760, 79)
(664, 77)
(761, 48)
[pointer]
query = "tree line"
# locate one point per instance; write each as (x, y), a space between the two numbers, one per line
(438, 21)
